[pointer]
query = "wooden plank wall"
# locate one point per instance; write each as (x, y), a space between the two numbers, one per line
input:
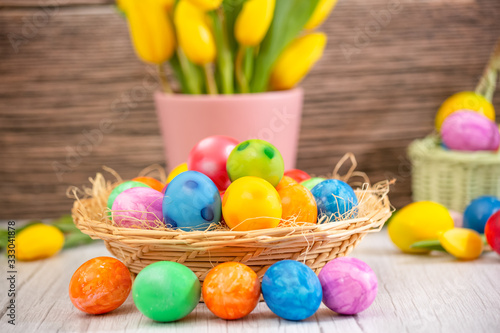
(72, 60)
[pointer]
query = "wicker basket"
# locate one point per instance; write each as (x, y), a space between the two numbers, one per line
(452, 178)
(314, 245)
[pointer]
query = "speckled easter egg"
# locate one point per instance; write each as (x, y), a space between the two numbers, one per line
(100, 285)
(291, 290)
(311, 182)
(120, 188)
(335, 198)
(209, 156)
(297, 175)
(492, 232)
(251, 203)
(191, 202)
(138, 207)
(284, 182)
(349, 285)
(470, 131)
(298, 204)
(155, 184)
(257, 158)
(166, 291)
(231, 290)
(479, 211)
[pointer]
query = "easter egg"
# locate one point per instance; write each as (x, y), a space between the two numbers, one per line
(176, 171)
(470, 131)
(231, 290)
(191, 202)
(166, 291)
(462, 243)
(492, 232)
(123, 187)
(251, 203)
(38, 241)
(209, 157)
(138, 207)
(479, 211)
(291, 290)
(464, 100)
(151, 182)
(335, 198)
(257, 158)
(100, 285)
(349, 285)
(284, 182)
(297, 175)
(311, 182)
(418, 221)
(298, 204)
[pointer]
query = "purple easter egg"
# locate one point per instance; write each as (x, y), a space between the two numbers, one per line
(349, 285)
(138, 207)
(470, 131)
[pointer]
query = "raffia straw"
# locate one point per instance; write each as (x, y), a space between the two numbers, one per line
(312, 244)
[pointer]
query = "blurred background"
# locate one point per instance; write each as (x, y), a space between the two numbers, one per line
(68, 72)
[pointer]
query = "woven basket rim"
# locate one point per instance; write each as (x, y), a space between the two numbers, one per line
(430, 149)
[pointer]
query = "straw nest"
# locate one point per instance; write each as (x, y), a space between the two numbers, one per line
(312, 244)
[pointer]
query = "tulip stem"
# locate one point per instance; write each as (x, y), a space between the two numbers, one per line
(209, 76)
(164, 80)
(488, 82)
(240, 74)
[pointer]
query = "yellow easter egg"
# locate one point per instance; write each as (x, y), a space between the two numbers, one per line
(176, 171)
(38, 241)
(418, 221)
(465, 100)
(251, 203)
(462, 243)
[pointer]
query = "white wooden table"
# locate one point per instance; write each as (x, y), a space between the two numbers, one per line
(417, 293)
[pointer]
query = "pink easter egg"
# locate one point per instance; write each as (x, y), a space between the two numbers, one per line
(470, 131)
(138, 207)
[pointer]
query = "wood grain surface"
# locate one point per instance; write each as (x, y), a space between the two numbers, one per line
(416, 293)
(65, 68)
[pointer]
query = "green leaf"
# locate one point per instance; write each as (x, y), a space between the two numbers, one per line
(189, 74)
(225, 67)
(232, 9)
(76, 239)
(431, 245)
(290, 16)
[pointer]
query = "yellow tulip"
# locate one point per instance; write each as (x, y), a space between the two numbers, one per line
(321, 12)
(467, 100)
(38, 241)
(194, 34)
(462, 243)
(166, 4)
(253, 21)
(151, 30)
(206, 5)
(296, 60)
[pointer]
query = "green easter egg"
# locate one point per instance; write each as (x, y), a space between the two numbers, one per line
(256, 158)
(311, 182)
(166, 291)
(122, 187)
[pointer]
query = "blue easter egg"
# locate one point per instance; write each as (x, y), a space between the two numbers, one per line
(335, 197)
(291, 290)
(478, 211)
(191, 202)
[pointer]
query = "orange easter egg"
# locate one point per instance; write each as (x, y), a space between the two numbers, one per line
(231, 290)
(298, 204)
(151, 182)
(284, 182)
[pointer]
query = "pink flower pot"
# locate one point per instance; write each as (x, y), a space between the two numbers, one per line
(272, 116)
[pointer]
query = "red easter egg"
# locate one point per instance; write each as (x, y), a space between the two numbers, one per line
(298, 175)
(209, 157)
(100, 285)
(492, 232)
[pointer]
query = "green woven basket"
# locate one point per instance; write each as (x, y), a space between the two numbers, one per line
(452, 178)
